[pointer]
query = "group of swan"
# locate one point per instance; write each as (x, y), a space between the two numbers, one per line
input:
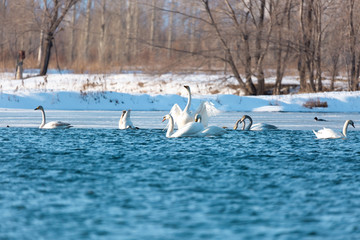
(196, 124)
(255, 127)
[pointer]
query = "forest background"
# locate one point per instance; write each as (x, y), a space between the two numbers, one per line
(247, 40)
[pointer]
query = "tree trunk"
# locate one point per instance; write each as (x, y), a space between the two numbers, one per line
(136, 28)
(3, 15)
(128, 30)
(47, 54)
(309, 46)
(152, 26)
(259, 33)
(101, 56)
(170, 29)
(352, 39)
(301, 60)
(71, 54)
(87, 32)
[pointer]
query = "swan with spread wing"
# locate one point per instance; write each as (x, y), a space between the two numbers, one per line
(52, 124)
(255, 127)
(182, 117)
(326, 133)
(125, 121)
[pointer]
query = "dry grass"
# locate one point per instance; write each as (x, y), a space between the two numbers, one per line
(312, 103)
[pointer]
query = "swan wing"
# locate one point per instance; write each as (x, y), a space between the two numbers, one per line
(56, 124)
(262, 126)
(206, 110)
(189, 130)
(213, 131)
(181, 118)
(327, 133)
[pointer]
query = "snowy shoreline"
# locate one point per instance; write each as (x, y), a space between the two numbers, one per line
(147, 93)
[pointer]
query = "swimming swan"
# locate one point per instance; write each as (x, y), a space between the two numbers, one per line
(255, 127)
(125, 122)
(53, 124)
(182, 117)
(190, 129)
(329, 133)
(211, 130)
(319, 119)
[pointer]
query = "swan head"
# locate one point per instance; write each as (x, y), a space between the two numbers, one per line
(197, 117)
(166, 117)
(352, 123)
(187, 87)
(39, 108)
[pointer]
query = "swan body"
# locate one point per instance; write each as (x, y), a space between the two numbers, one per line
(182, 117)
(53, 124)
(190, 129)
(327, 133)
(209, 131)
(255, 127)
(319, 119)
(125, 121)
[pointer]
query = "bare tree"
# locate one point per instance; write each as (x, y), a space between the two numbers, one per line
(102, 33)
(282, 53)
(55, 12)
(71, 54)
(87, 31)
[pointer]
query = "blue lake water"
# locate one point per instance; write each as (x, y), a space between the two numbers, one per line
(97, 182)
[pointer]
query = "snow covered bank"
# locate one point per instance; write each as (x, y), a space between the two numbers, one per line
(336, 101)
(147, 93)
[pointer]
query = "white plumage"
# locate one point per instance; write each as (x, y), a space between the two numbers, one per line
(255, 127)
(182, 117)
(125, 121)
(53, 124)
(327, 133)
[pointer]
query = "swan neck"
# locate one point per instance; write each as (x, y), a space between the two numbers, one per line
(170, 129)
(346, 124)
(237, 124)
(244, 127)
(43, 118)
(187, 107)
(250, 124)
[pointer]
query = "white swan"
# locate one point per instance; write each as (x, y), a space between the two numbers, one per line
(211, 130)
(182, 117)
(53, 124)
(329, 133)
(255, 127)
(125, 122)
(188, 130)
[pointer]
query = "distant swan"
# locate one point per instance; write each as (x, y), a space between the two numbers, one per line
(255, 127)
(329, 133)
(190, 129)
(53, 124)
(182, 117)
(211, 130)
(319, 119)
(125, 122)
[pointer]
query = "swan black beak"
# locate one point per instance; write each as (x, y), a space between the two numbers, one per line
(36, 108)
